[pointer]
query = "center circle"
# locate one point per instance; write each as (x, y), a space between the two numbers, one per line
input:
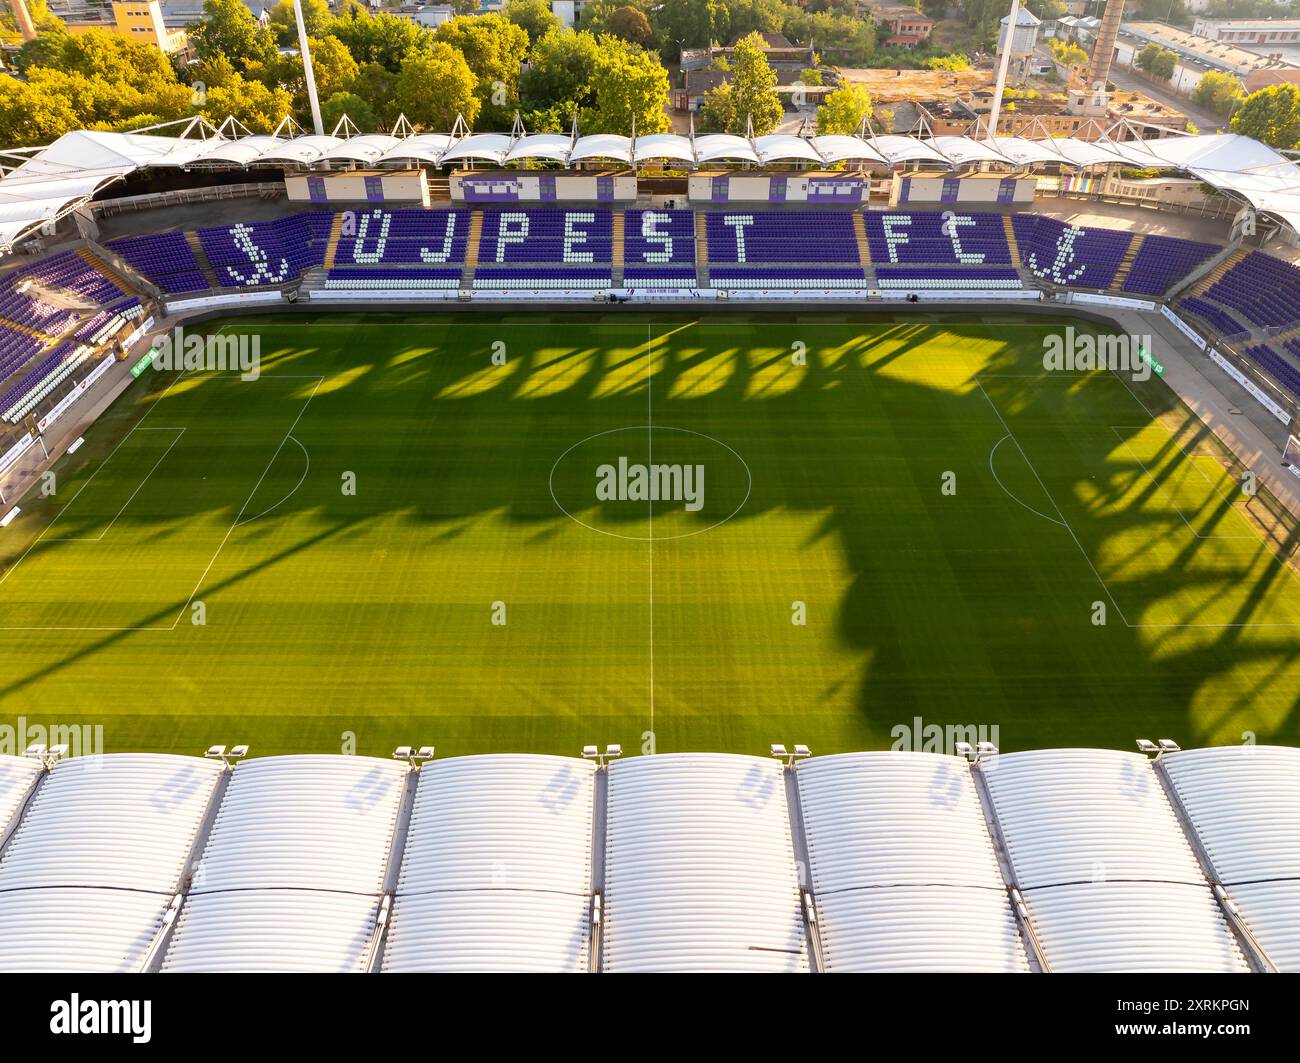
(655, 476)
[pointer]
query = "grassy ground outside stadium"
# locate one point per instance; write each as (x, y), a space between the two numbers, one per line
(949, 521)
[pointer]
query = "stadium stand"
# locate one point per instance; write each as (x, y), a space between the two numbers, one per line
(659, 249)
(1069, 255)
(1061, 860)
(426, 237)
(1276, 366)
(1220, 320)
(1263, 289)
(783, 237)
(1162, 260)
(933, 238)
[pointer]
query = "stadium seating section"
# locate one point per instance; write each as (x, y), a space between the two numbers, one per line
(45, 330)
(1163, 260)
(1069, 255)
(1265, 290)
(931, 238)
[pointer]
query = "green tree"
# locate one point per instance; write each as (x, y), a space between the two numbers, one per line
(383, 38)
(630, 84)
(630, 24)
(315, 16)
(29, 115)
(532, 16)
(749, 95)
(754, 16)
(376, 84)
(495, 50)
(839, 38)
(434, 85)
(229, 28)
(1217, 91)
(349, 103)
(844, 111)
(561, 77)
(690, 24)
(257, 106)
(1272, 116)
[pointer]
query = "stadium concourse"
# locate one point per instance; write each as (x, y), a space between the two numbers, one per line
(1049, 860)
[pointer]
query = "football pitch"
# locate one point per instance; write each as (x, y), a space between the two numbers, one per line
(436, 530)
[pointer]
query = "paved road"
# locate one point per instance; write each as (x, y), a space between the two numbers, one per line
(1204, 121)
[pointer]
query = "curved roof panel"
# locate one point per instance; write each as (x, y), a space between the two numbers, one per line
(123, 820)
(699, 866)
(602, 146)
(306, 822)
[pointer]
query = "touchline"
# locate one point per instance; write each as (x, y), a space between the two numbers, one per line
(651, 483)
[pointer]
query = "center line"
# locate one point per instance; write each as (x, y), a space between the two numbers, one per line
(650, 545)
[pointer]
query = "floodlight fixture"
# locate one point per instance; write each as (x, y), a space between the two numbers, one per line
(425, 753)
(1168, 745)
(36, 751)
(590, 752)
(779, 750)
(226, 754)
(1145, 745)
(965, 749)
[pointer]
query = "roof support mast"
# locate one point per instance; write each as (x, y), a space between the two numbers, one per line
(305, 51)
(1003, 63)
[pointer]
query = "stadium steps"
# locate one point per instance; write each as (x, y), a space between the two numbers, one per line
(439, 187)
(201, 257)
(471, 249)
(332, 247)
(864, 247)
(125, 278)
(616, 250)
(701, 249)
(1213, 273)
(1126, 263)
(1012, 245)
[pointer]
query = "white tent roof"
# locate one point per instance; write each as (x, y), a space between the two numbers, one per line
(834, 147)
(663, 146)
(17, 777)
(271, 930)
(426, 147)
(718, 146)
(124, 820)
(602, 146)
(785, 147)
(1244, 803)
(699, 866)
(496, 873)
(306, 822)
(902, 866)
(367, 148)
(489, 147)
(552, 146)
(57, 178)
(1099, 855)
(78, 930)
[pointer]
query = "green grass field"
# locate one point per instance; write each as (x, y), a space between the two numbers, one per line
(337, 620)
